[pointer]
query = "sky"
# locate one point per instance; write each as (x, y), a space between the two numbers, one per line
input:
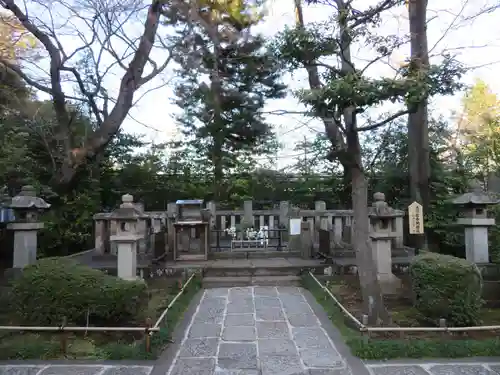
(475, 43)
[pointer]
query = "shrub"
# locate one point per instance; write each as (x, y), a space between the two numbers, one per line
(58, 288)
(446, 287)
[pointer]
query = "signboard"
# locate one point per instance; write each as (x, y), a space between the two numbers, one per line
(416, 218)
(295, 225)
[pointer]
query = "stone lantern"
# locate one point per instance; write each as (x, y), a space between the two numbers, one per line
(27, 208)
(381, 216)
(476, 222)
(127, 216)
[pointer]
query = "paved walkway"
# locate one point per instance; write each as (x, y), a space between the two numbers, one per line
(256, 331)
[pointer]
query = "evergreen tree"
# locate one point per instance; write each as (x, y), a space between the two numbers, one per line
(225, 80)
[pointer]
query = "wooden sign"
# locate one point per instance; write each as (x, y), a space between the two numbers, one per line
(416, 218)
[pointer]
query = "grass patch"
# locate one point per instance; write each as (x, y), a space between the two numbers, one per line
(382, 348)
(106, 345)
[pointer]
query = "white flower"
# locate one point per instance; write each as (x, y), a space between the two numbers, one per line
(231, 231)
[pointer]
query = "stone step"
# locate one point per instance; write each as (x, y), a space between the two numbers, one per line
(256, 254)
(236, 281)
(253, 271)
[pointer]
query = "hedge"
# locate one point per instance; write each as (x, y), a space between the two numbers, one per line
(447, 287)
(56, 288)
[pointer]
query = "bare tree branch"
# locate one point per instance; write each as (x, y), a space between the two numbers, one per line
(100, 26)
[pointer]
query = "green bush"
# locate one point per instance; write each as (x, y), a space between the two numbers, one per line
(446, 287)
(57, 288)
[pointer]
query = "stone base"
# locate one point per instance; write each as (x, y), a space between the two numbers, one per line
(389, 284)
(11, 274)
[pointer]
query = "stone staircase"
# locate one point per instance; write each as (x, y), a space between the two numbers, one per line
(261, 272)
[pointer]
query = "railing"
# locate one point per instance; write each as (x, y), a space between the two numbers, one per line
(365, 329)
(221, 241)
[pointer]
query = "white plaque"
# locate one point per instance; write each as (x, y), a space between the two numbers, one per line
(416, 218)
(295, 225)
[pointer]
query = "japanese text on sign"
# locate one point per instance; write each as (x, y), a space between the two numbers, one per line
(416, 218)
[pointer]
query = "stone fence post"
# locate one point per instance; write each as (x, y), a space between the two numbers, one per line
(248, 213)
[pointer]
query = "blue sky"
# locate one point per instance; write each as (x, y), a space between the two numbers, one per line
(476, 43)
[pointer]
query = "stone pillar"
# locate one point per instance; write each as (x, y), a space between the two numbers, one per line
(157, 225)
(171, 216)
(381, 216)
(284, 217)
(320, 220)
(212, 207)
(126, 238)
(248, 214)
(100, 234)
(113, 229)
(307, 240)
(302, 242)
(338, 227)
(26, 206)
(399, 231)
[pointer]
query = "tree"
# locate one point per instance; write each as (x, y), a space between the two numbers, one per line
(479, 130)
(348, 92)
(100, 27)
(418, 127)
(223, 118)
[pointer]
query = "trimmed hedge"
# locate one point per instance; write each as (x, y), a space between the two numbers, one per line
(447, 287)
(56, 288)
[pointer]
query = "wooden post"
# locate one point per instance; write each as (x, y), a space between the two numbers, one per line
(442, 324)
(366, 334)
(147, 336)
(64, 337)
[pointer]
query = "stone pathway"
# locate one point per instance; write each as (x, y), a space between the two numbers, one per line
(447, 368)
(256, 331)
(74, 369)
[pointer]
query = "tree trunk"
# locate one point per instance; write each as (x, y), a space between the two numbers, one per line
(370, 286)
(216, 90)
(418, 126)
(373, 301)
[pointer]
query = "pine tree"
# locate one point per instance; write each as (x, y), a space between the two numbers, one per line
(226, 77)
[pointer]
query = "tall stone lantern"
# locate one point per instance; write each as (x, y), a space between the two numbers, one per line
(128, 217)
(381, 216)
(27, 208)
(476, 222)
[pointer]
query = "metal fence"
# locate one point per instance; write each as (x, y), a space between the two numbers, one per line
(274, 241)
